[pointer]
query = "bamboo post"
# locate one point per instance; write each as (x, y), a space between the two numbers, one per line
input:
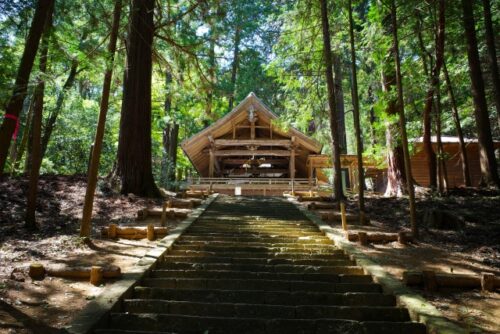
(36, 271)
(343, 215)
(96, 275)
(363, 238)
(112, 231)
(151, 232)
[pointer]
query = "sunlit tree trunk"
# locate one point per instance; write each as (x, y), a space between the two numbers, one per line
(339, 100)
(134, 145)
(355, 104)
(327, 51)
(431, 92)
(85, 226)
(36, 156)
(489, 173)
(402, 122)
(43, 10)
(235, 66)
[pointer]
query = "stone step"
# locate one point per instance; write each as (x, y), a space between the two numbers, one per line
(336, 255)
(121, 331)
(303, 240)
(259, 285)
(253, 245)
(228, 274)
(255, 249)
(266, 297)
(256, 234)
(262, 230)
(269, 260)
(203, 324)
(277, 268)
(360, 313)
(255, 226)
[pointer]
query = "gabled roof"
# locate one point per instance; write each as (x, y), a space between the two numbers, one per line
(195, 145)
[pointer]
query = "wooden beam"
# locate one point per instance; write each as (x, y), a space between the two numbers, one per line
(266, 161)
(239, 171)
(232, 153)
(254, 142)
(249, 126)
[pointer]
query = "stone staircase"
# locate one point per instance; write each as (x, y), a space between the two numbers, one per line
(258, 265)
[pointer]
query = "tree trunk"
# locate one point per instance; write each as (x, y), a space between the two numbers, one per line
(339, 100)
(492, 56)
(235, 67)
(456, 119)
(172, 150)
(134, 145)
(372, 117)
(166, 132)
(396, 178)
(441, 166)
(36, 156)
(24, 138)
(355, 105)
(429, 100)
(51, 121)
(85, 226)
(338, 192)
(43, 9)
(402, 122)
(489, 173)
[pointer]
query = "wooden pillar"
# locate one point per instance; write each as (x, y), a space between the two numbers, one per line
(211, 163)
(270, 129)
(234, 131)
(252, 128)
(292, 164)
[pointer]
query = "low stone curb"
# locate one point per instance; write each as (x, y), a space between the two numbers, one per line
(94, 314)
(419, 308)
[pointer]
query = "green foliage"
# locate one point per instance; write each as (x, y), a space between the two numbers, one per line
(280, 59)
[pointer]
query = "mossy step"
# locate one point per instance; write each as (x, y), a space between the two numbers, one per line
(296, 234)
(278, 268)
(270, 248)
(298, 255)
(202, 324)
(259, 285)
(267, 297)
(216, 240)
(255, 261)
(256, 244)
(360, 313)
(231, 274)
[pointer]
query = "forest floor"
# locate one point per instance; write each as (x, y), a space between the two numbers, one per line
(50, 305)
(472, 249)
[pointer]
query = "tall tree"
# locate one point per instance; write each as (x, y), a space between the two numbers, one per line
(10, 123)
(338, 192)
(396, 178)
(37, 127)
(402, 122)
(235, 65)
(355, 105)
(458, 126)
(134, 145)
(85, 225)
(489, 172)
(431, 92)
(492, 55)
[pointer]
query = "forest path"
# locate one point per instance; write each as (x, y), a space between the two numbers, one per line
(258, 265)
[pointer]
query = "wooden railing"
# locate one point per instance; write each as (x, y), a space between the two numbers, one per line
(252, 181)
